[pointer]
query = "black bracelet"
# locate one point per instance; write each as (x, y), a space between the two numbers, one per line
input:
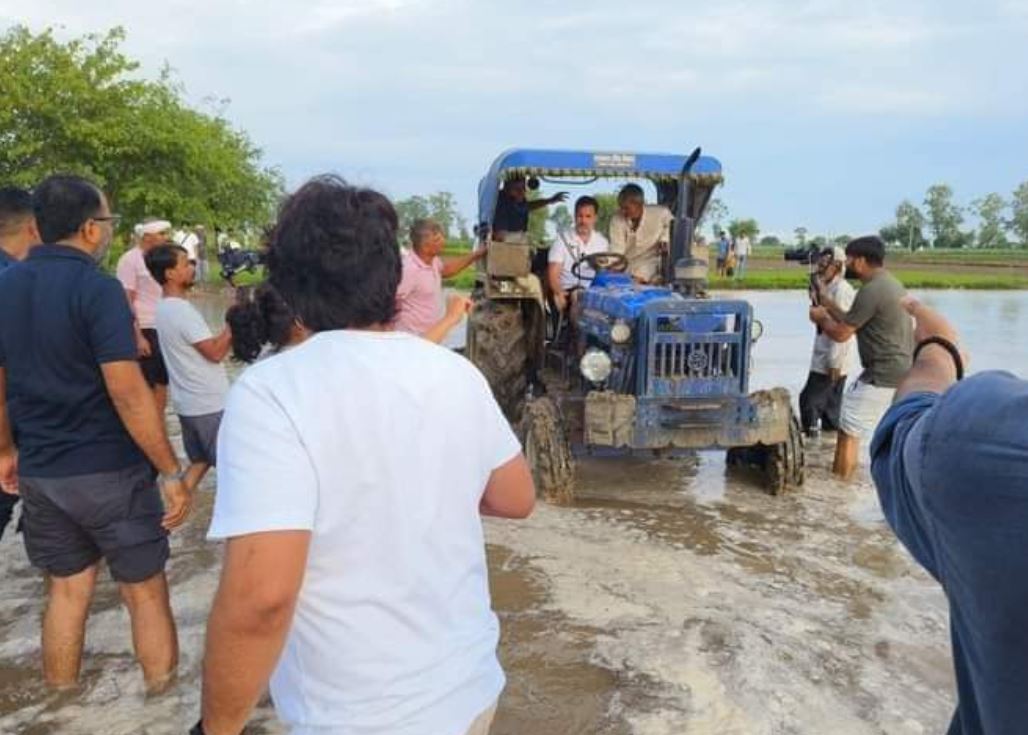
(951, 348)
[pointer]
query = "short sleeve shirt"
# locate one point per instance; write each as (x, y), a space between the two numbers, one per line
(952, 478)
(568, 248)
(419, 298)
(61, 318)
(134, 276)
(380, 444)
(885, 331)
(197, 385)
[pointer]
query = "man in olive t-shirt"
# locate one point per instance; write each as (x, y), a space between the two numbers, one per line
(885, 341)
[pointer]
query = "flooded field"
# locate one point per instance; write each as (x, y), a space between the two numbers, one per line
(672, 598)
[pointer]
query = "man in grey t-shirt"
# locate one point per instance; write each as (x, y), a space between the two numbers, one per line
(885, 341)
(193, 355)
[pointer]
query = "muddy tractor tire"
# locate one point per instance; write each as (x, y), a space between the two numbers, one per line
(497, 344)
(544, 434)
(782, 466)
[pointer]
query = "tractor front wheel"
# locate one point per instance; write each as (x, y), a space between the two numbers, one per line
(548, 451)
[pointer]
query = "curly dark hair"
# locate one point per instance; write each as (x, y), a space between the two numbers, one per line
(258, 317)
(334, 257)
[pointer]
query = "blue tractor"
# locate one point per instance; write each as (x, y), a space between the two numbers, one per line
(655, 369)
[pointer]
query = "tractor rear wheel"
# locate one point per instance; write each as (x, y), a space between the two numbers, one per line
(548, 451)
(498, 345)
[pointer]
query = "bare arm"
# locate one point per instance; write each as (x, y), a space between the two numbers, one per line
(456, 308)
(453, 266)
(510, 492)
(8, 452)
(252, 612)
(217, 348)
(135, 404)
(838, 331)
(934, 371)
(535, 204)
(141, 342)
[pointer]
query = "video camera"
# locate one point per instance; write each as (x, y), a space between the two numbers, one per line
(810, 255)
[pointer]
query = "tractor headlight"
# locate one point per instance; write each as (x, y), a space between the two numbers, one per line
(595, 365)
(620, 333)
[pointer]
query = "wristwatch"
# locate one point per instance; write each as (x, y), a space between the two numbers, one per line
(164, 478)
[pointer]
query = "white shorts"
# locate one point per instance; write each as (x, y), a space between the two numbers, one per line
(863, 406)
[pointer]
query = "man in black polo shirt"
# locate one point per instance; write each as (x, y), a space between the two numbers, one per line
(17, 234)
(76, 441)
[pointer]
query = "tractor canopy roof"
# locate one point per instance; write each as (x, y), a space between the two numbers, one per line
(658, 167)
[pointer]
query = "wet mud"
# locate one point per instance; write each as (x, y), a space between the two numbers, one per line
(672, 596)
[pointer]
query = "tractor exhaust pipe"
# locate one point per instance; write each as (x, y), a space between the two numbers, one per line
(685, 273)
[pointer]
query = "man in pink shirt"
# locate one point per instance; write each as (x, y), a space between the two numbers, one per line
(143, 294)
(419, 299)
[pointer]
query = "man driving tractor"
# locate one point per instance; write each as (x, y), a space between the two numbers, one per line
(570, 247)
(641, 232)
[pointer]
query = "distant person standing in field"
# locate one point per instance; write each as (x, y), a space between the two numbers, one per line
(18, 233)
(82, 437)
(193, 355)
(353, 472)
(143, 294)
(821, 398)
(885, 343)
(742, 254)
(419, 298)
(724, 247)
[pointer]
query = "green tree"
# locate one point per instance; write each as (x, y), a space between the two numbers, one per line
(944, 217)
(561, 218)
(770, 241)
(608, 204)
(1019, 214)
(715, 214)
(992, 229)
(748, 227)
(410, 210)
(442, 207)
(801, 235)
(907, 230)
(77, 107)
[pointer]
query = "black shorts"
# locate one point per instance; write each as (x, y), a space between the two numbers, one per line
(200, 437)
(154, 369)
(69, 523)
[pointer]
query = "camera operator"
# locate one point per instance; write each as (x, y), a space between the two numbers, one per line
(949, 461)
(821, 398)
(885, 343)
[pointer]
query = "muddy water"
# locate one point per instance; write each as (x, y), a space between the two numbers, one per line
(673, 597)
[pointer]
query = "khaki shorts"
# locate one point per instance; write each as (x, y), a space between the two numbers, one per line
(863, 407)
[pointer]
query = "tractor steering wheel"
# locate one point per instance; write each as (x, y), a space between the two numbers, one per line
(609, 261)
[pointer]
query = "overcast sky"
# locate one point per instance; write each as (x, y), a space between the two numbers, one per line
(824, 114)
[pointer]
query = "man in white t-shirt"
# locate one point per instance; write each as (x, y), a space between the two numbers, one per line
(193, 355)
(641, 232)
(742, 254)
(353, 471)
(570, 247)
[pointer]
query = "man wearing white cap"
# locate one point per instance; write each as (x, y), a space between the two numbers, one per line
(821, 398)
(143, 294)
